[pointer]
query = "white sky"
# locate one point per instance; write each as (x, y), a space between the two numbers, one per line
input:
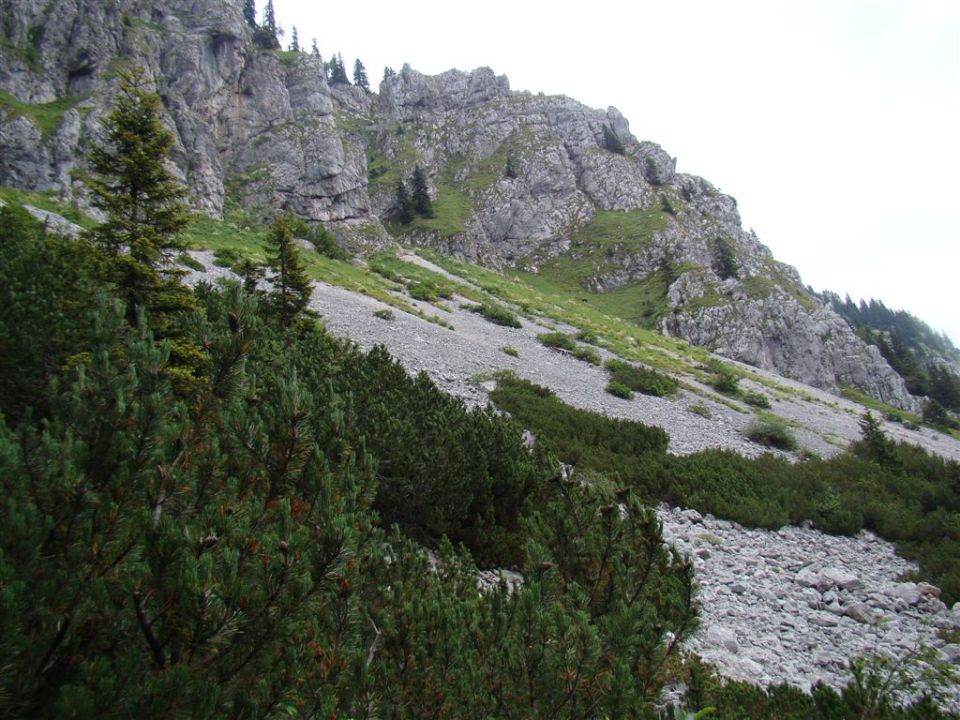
(834, 123)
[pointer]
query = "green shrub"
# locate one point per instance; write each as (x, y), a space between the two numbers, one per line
(619, 390)
(189, 261)
(701, 410)
(228, 258)
(511, 351)
(725, 380)
(771, 434)
(642, 380)
(423, 291)
(587, 354)
(385, 272)
(588, 337)
(384, 314)
(495, 313)
(756, 399)
(557, 340)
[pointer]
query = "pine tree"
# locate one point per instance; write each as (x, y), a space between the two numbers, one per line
(294, 40)
(265, 35)
(510, 171)
(389, 73)
(405, 213)
(144, 205)
(360, 75)
(250, 13)
(611, 142)
(724, 259)
(338, 72)
(422, 204)
(314, 50)
(291, 285)
(142, 199)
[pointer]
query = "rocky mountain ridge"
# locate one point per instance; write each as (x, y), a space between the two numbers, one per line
(264, 129)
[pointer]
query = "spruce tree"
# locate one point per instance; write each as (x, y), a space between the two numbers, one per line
(294, 40)
(265, 35)
(510, 171)
(611, 142)
(422, 204)
(405, 213)
(338, 72)
(291, 292)
(360, 75)
(250, 13)
(314, 50)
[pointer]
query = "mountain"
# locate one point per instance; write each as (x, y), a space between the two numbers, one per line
(583, 203)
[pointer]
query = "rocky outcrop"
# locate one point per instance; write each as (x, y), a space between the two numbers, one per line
(518, 175)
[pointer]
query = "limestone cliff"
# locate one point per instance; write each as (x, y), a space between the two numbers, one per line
(581, 202)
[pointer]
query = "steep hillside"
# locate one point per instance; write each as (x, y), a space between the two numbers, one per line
(543, 184)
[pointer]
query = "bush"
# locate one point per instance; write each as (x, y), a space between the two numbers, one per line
(587, 354)
(423, 291)
(725, 380)
(642, 380)
(495, 313)
(384, 314)
(557, 340)
(756, 399)
(511, 351)
(588, 337)
(619, 390)
(701, 410)
(771, 434)
(190, 262)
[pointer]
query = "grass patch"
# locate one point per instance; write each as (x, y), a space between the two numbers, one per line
(424, 291)
(48, 201)
(511, 351)
(46, 116)
(384, 314)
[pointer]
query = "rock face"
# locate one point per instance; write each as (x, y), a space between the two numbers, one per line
(518, 179)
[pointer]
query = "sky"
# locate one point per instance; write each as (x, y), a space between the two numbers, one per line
(834, 123)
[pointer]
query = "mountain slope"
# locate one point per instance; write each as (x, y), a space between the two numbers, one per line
(585, 204)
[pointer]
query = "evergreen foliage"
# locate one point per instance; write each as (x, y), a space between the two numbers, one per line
(611, 141)
(294, 40)
(422, 205)
(250, 13)
(292, 289)
(265, 36)
(897, 490)
(405, 209)
(337, 71)
(510, 171)
(642, 380)
(360, 76)
(145, 211)
(142, 199)
(724, 259)
(314, 50)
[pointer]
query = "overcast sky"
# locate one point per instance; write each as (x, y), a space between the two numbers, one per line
(834, 123)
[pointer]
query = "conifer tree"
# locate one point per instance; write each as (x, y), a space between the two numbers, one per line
(389, 73)
(250, 13)
(291, 284)
(360, 75)
(314, 50)
(294, 40)
(405, 213)
(510, 171)
(144, 205)
(422, 204)
(611, 142)
(338, 72)
(266, 34)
